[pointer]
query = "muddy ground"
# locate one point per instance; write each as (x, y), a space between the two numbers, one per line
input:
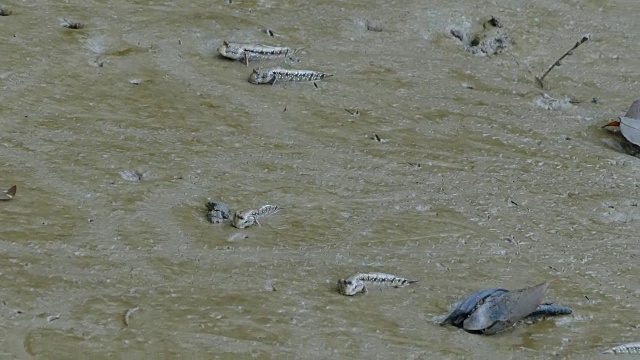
(484, 179)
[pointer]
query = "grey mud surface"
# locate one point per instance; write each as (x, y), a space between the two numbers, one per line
(511, 188)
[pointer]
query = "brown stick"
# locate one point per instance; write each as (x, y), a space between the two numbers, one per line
(584, 39)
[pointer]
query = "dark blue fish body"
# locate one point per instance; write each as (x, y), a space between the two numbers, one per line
(471, 304)
(550, 309)
(495, 300)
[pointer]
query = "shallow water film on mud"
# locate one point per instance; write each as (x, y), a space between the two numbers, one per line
(431, 154)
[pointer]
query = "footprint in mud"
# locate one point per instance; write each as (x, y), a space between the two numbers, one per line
(485, 37)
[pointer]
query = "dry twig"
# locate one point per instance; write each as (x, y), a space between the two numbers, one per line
(584, 39)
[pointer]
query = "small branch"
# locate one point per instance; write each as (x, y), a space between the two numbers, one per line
(127, 315)
(584, 39)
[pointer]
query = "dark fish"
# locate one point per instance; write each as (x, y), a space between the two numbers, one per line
(9, 194)
(494, 310)
(550, 309)
(470, 305)
(503, 311)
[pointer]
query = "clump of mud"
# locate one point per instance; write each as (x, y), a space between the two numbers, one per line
(549, 103)
(4, 11)
(71, 24)
(217, 212)
(630, 148)
(486, 37)
(131, 175)
(374, 25)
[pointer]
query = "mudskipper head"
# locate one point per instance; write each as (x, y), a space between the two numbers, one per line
(266, 76)
(253, 78)
(260, 77)
(230, 51)
(222, 49)
(349, 287)
(241, 220)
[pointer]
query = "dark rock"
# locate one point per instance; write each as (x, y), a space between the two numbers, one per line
(217, 212)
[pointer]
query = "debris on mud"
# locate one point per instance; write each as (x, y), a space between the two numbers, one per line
(491, 311)
(71, 24)
(557, 63)
(128, 313)
(374, 25)
(547, 102)
(377, 138)
(4, 11)
(487, 37)
(217, 212)
(131, 175)
(9, 194)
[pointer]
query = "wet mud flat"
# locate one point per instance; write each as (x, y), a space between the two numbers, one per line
(418, 157)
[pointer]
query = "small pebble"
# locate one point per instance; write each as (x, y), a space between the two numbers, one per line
(97, 63)
(373, 25)
(269, 286)
(378, 138)
(131, 175)
(4, 11)
(70, 24)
